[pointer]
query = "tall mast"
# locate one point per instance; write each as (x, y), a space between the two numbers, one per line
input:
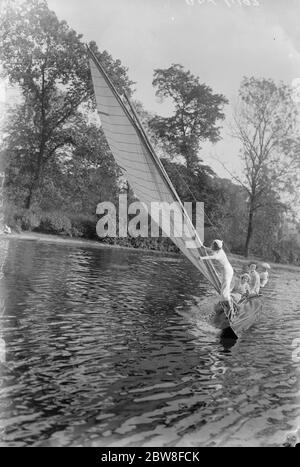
(137, 125)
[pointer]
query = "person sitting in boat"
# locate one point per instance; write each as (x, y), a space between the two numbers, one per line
(264, 276)
(254, 280)
(219, 255)
(241, 288)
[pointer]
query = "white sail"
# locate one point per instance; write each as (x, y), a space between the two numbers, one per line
(143, 169)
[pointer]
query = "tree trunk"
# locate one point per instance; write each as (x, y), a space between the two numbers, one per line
(35, 183)
(29, 197)
(249, 230)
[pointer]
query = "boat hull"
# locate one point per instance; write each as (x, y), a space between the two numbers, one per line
(247, 312)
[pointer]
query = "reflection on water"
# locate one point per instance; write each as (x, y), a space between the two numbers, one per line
(108, 347)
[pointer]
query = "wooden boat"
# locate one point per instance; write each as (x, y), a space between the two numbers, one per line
(245, 313)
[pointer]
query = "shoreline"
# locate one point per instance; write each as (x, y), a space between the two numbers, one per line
(42, 237)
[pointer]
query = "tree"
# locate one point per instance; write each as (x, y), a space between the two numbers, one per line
(90, 175)
(47, 60)
(232, 218)
(269, 220)
(265, 125)
(197, 111)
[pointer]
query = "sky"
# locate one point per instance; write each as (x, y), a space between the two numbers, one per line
(218, 40)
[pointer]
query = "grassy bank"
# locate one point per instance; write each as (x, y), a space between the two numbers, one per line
(77, 226)
(41, 237)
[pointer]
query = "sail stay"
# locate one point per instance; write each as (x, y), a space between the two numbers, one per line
(143, 169)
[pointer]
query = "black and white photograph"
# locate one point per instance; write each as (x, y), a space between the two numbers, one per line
(149, 226)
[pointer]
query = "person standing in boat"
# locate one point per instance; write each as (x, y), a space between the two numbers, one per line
(219, 255)
(254, 280)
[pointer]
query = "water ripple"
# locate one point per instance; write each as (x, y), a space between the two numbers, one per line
(113, 348)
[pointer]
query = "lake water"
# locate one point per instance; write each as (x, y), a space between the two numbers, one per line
(108, 347)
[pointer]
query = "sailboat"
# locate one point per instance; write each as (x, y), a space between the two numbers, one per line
(150, 182)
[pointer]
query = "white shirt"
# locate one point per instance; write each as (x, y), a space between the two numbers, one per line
(254, 282)
(264, 277)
